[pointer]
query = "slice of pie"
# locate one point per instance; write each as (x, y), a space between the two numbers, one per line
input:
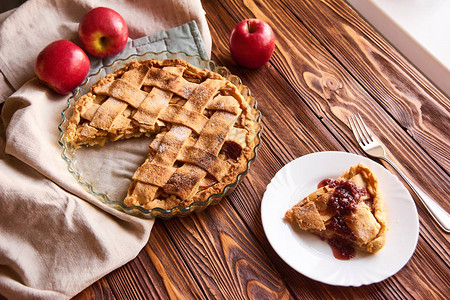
(348, 212)
(203, 132)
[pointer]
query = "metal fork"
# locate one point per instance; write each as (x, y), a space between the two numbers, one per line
(373, 148)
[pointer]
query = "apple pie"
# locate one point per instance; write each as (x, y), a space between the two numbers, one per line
(348, 212)
(203, 132)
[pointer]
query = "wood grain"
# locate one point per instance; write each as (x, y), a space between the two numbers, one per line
(328, 64)
(222, 254)
(389, 78)
(343, 98)
(311, 75)
(99, 290)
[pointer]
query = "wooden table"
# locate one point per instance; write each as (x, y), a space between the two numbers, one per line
(328, 64)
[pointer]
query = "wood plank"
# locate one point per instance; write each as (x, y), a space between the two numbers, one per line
(99, 290)
(309, 69)
(223, 260)
(224, 257)
(308, 74)
(387, 76)
(159, 272)
(126, 284)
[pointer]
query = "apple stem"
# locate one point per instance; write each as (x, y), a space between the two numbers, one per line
(250, 29)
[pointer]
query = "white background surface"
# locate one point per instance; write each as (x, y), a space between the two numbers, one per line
(419, 29)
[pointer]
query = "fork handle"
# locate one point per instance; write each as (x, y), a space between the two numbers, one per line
(435, 210)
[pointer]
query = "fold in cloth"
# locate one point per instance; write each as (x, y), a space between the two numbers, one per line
(55, 237)
(32, 26)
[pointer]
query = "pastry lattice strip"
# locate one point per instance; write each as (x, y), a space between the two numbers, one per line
(143, 96)
(184, 181)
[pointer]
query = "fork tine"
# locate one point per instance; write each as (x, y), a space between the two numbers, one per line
(352, 127)
(355, 129)
(364, 129)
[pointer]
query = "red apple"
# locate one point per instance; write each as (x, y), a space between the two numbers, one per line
(62, 65)
(252, 43)
(103, 32)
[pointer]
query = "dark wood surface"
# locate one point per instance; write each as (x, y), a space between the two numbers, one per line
(328, 64)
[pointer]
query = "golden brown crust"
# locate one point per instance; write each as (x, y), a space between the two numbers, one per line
(367, 223)
(193, 114)
(379, 210)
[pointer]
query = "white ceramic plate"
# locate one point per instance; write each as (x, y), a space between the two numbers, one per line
(308, 254)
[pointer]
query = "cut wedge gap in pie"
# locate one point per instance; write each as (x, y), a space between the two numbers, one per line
(347, 212)
(203, 131)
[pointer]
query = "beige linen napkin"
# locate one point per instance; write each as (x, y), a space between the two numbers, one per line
(55, 237)
(37, 22)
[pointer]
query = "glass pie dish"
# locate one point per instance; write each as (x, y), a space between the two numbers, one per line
(106, 171)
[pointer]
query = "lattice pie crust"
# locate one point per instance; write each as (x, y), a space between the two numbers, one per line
(203, 131)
